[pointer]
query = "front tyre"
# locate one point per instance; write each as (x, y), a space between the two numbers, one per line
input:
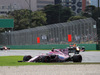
(26, 58)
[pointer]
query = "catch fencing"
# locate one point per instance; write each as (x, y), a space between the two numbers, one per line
(81, 31)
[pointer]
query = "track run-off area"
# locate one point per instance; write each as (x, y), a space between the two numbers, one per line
(87, 56)
(72, 69)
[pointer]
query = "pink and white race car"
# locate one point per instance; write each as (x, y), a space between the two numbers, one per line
(4, 48)
(55, 55)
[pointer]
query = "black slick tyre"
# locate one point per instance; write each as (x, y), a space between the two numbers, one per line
(26, 58)
(77, 58)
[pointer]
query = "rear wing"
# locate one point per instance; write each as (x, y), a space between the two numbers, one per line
(71, 49)
(74, 49)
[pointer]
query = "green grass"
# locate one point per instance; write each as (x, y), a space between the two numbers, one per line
(13, 61)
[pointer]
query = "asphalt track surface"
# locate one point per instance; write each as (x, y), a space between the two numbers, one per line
(90, 56)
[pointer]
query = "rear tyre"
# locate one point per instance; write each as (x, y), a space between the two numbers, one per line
(77, 58)
(26, 58)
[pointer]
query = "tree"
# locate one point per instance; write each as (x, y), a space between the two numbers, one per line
(95, 14)
(39, 18)
(89, 11)
(22, 19)
(76, 18)
(57, 13)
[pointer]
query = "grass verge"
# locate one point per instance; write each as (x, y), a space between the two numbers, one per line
(13, 61)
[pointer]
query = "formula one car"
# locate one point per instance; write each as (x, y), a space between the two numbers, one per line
(4, 48)
(76, 49)
(55, 55)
